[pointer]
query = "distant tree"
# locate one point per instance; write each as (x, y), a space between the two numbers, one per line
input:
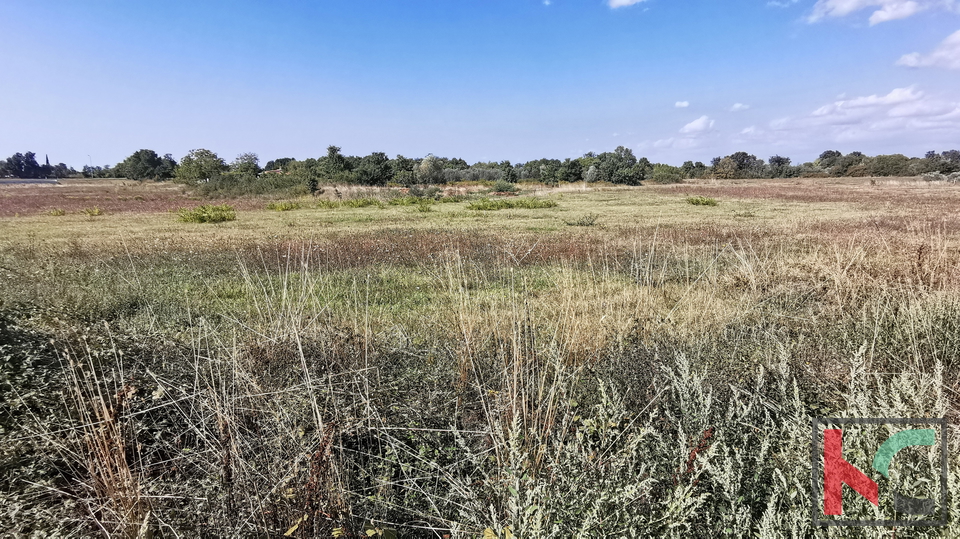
(200, 165)
(334, 162)
(430, 170)
(374, 169)
(61, 170)
(168, 165)
(22, 165)
(591, 174)
(140, 165)
(278, 164)
(828, 158)
(725, 169)
(570, 171)
(457, 164)
(779, 166)
(509, 172)
(246, 164)
(890, 165)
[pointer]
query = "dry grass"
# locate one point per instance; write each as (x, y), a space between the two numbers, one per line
(343, 369)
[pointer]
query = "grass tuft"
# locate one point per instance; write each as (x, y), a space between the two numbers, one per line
(486, 204)
(207, 214)
(284, 205)
(701, 200)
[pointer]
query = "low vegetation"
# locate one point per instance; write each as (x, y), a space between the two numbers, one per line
(488, 204)
(467, 374)
(701, 200)
(206, 213)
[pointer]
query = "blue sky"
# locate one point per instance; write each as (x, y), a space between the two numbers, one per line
(94, 81)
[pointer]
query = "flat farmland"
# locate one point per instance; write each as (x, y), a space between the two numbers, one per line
(621, 362)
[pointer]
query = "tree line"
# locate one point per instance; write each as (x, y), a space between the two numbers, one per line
(209, 172)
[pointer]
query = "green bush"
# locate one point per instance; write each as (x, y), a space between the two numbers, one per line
(207, 214)
(503, 186)
(701, 200)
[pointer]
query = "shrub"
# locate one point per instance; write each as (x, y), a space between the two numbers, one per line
(57, 212)
(93, 212)
(486, 204)
(207, 214)
(701, 200)
(503, 186)
(284, 206)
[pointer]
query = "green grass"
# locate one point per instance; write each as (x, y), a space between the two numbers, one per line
(700, 200)
(487, 204)
(205, 213)
(284, 205)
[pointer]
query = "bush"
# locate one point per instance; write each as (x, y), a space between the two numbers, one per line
(57, 212)
(93, 212)
(487, 204)
(701, 201)
(503, 186)
(207, 214)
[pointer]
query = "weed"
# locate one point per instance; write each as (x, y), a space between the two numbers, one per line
(93, 212)
(486, 204)
(284, 205)
(207, 214)
(700, 200)
(57, 212)
(589, 219)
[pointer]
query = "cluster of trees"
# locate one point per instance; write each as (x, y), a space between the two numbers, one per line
(25, 165)
(208, 171)
(833, 163)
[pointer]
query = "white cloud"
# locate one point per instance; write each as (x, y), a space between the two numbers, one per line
(887, 10)
(946, 55)
(737, 107)
(547, 2)
(903, 112)
(700, 125)
(682, 104)
(784, 3)
(622, 3)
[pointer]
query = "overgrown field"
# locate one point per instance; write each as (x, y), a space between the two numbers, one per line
(605, 362)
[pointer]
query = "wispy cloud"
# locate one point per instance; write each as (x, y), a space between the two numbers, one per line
(700, 125)
(614, 4)
(902, 112)
(681, 104)
(886, 10)
(737, 107)
(946, 55)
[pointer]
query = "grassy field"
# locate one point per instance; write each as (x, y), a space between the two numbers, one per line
(627, 362)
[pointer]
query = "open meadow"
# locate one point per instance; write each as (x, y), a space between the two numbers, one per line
(595, 361)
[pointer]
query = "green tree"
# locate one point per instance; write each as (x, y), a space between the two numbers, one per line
(200, 165)
(22, 165)
(374, 169)
(246, 164)
(140, 165)
(278, 164)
